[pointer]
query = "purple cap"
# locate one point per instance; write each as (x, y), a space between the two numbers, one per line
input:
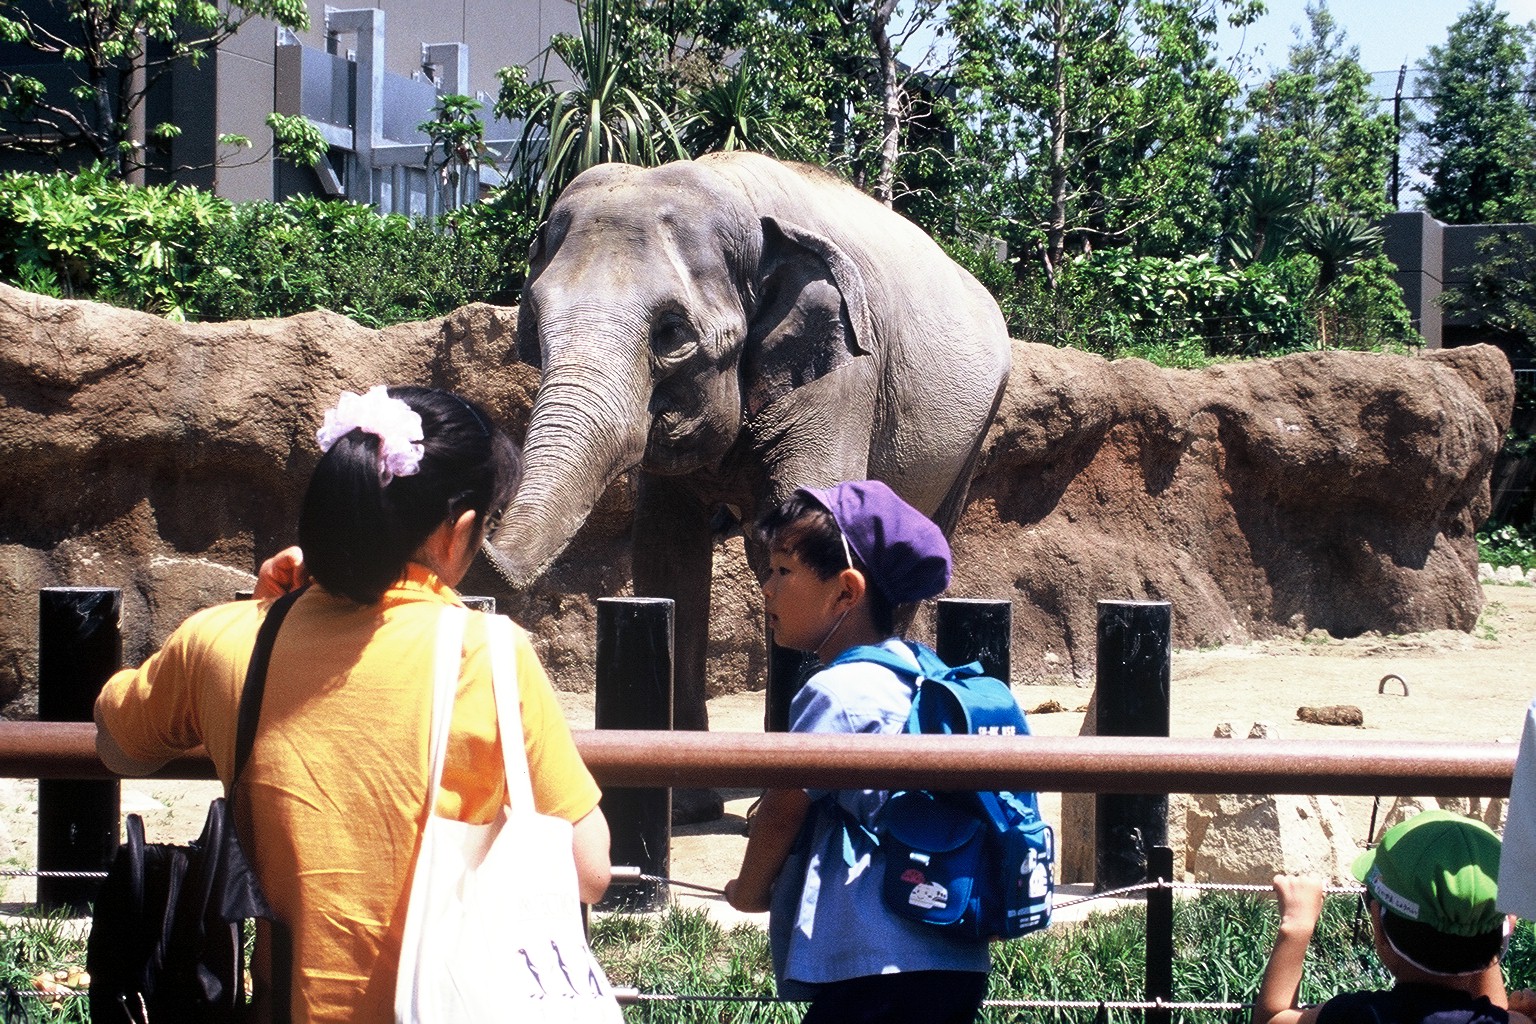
(905, 553)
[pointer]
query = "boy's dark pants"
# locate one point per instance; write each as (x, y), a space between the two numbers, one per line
(910, 997)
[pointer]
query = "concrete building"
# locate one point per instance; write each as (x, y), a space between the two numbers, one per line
(364, 76)
(1432, 258)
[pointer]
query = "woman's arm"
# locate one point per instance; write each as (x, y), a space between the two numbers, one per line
(589, 842)
(113, 756)
(775, 827)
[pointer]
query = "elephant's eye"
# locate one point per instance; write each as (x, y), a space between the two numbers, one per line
(670, 334)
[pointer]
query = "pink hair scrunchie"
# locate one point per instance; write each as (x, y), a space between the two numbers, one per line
(395, 424)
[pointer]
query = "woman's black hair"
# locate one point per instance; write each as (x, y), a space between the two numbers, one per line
(802, 526)
(358, 534)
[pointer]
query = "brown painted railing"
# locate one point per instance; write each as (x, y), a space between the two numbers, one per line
(1088, 764)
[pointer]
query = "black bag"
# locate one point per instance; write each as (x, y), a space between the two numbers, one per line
(166, 940)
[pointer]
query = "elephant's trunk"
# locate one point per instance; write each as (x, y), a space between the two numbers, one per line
(589, 424)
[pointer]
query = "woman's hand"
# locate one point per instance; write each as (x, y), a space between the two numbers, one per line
(282, 573)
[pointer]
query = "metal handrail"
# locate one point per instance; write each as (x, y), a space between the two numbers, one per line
(1081, 764)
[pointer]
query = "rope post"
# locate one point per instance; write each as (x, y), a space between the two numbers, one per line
(1160, 934)
(79, 645)
(1133, 672)
(634, 691)
(973, 629)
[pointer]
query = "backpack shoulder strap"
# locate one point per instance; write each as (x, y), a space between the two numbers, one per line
(878, 656)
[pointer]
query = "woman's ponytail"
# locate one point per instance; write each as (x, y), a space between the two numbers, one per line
(360, 524)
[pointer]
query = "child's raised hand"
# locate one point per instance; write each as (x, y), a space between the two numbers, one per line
(283, 572)
(1523, 1000)
(1301, 901)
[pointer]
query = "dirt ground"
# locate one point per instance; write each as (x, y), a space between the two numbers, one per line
(1461, 686)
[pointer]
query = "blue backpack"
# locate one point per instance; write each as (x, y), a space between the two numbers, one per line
(979, 863)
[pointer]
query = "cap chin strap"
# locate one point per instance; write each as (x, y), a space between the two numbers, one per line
(1445, 974)
(835, 627)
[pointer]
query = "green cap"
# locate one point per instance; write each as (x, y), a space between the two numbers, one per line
(1439, 868)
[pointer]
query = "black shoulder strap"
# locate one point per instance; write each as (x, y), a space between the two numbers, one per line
(245, 739)
(256, 683)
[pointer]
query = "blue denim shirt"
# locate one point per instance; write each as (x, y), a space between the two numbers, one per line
(828, 921)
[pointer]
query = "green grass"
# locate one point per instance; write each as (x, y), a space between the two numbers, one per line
(1221, 942)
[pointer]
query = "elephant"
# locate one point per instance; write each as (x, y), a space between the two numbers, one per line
(737, 327)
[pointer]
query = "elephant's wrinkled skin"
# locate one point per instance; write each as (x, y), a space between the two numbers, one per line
(738, 327)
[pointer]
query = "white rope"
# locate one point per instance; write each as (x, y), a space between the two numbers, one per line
(23, 873)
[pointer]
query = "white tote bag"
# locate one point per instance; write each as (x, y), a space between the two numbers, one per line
(493, 931)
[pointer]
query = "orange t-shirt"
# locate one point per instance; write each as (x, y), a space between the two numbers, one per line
(333, 800)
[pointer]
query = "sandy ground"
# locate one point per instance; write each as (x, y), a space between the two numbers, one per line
(1462, 686)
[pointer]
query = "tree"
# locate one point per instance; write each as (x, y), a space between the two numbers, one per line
(458, 134)
(1094, 122)
(114, 53)
(1315, 123)
(1478, 144)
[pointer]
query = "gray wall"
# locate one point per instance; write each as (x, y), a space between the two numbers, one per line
(1433, 257)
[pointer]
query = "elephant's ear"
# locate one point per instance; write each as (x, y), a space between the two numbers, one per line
(811, 314)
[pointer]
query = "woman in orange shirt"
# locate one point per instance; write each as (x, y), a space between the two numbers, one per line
(332, 802)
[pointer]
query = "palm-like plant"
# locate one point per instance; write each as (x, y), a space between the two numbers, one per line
(1338, 239)
(602, 118)
(731, 115)
(1271, 202)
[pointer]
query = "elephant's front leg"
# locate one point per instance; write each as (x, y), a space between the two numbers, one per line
(672, 558)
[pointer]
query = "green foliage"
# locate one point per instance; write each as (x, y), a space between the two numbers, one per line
(1189, 311)
(685, 952)
(296, 139)
(185, 254)
(48, 942)
(456, 143)
(86, 236)
(1089, 123)
(1221, 944)
(1507, 544)
(734, 114)
(1478, 144)
(100, 44)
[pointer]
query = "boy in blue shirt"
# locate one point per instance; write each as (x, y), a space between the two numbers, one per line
(841, 561)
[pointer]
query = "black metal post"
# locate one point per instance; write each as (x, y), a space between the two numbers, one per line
(1134, 649)
(973, 629)
(1160, 934)
(787, 672)
(634, 691)
(1397, 134)
(79, 645)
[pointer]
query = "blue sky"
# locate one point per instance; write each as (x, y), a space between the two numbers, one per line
(1388, 32)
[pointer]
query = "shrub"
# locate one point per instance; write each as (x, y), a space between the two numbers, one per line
(189, 255)
(1507, 544)
(87, 236)
(277, 259)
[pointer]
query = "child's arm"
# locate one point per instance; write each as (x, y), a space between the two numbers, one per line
(774, 828)
(1301, 903)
